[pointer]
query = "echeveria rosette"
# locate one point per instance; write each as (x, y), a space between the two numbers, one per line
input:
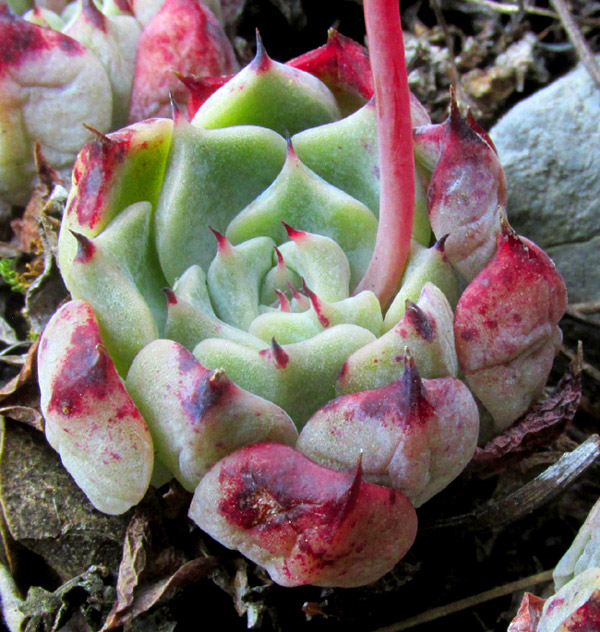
(238, 284)
(93, 69)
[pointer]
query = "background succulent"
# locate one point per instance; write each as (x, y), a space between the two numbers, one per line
(95, 66)
(574, 606)
(307, 298)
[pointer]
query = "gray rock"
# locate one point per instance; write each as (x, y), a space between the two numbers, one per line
(549, 145)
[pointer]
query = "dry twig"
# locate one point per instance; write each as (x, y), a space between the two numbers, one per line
(456, 606)
(576, 37)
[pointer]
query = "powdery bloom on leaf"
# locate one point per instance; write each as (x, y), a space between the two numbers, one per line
(304, 523)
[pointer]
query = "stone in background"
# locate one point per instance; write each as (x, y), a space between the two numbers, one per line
(549, 145)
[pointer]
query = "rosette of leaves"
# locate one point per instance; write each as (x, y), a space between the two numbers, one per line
(275, 304)
(93, 67)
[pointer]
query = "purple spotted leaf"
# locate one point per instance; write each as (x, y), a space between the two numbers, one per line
(466, 190)
(506, 328)
(414, 435)
(42, 72)
(183, 36)
(91, 420)
(304, 523)
(198, 416)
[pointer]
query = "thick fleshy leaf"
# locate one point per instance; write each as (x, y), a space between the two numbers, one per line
(414, 435)
(362, 310)
(466, 193)
(125, 318)
(346, 154)
(575, 607)
(113, 39)
(343, 66)
(128, 241)
(234, 279)
(540, 427)
(424, 265)
(197, 416)
(272, 95)
(91, 420)
(183, 36)
(300, 198)
(506, 327)
(190, 319)
(584, 553)
(110, 174)
(203, 164)
(318, 260)
(425, 331)
(528, 615)
(44, 17)
(49, 85)
(298, 377)
(304, 523)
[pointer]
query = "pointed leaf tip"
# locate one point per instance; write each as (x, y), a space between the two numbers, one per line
(171, 296)
(350, 498)
(261, 62)
(276, 353)
(176, 113)
(280, 356)
(440, 244)
(284, 303)
(103, 138)
(316, 303)
(223, 244)
(218, 379)
(93, 15)
(280, 261)
(85, 248)
(294, 234)
(423, 325)
(290, 149)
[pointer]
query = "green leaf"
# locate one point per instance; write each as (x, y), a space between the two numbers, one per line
(302, 199)
(269, 94)
(211, 176)
(298, 377)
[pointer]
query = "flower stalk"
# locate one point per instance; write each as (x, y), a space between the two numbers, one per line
(394, 131)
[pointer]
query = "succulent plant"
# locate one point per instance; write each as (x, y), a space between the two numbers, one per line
(576, 604)
(101, 68)
(310, 372)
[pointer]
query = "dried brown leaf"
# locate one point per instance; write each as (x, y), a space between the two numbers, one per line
(47, 291)
(20, 397)
(27, 228)
(538, 428)
(133, 562)
(146, 595)
(151, 568)
(246, 595)
(191, 572)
